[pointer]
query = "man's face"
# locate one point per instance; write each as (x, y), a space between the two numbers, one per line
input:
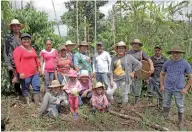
(176, 55)
(84, 48)
(16, 28)
(70, 47)
(121, 50)
(56, 90)
(136, 46)
(99, 48)
(158, 52)
(99, 90)
(26, 41)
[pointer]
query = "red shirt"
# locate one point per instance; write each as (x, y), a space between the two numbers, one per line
(26, 61)
(64, 65)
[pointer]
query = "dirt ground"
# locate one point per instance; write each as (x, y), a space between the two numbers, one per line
(19, 118)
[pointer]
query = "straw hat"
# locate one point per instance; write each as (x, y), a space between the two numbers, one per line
(15, 22)
(98, 85)
(137, 41)
(62, 47)
(120, 44)
(84, 73)
(72, 73)
(55, 83)
(68, 42)
(175, 48)
(84, 43)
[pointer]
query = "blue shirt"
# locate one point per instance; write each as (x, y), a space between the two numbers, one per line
(175, 74)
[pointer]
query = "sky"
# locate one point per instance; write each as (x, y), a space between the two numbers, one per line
(46, 5)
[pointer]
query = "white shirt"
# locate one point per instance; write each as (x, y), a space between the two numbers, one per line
(102, 62)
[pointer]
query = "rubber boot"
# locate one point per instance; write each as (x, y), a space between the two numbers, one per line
(180, 120)
(27, 100)
(36, 98)
(166, 112)
(136, 99)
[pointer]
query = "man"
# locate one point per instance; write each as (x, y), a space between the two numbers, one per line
(69, 45)
(139, 55)
(172, 81)
(12, 41)
(154, 81)
(101, 65)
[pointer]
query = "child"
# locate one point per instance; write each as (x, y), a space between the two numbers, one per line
(86, 86)
(48, 58)
(99, 100)
(73, 87)
(53, 100)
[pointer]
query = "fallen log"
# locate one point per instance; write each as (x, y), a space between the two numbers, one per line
(146, 122)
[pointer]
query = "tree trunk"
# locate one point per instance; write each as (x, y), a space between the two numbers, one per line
(85, 32)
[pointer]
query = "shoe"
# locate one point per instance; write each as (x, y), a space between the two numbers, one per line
(27, 100)
(166, 112)
(76, 116)
(180, 121)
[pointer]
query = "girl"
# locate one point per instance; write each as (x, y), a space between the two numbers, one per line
(64, 64)
(73, 87)
(99, 100)
(48, 62)
(86, 86)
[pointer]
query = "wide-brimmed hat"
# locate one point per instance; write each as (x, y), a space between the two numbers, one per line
(84, 73)
(98, 85)
(25, 35)
(120, 44)
(55, 83)
(15, 21)
(84, 43)
(72, 73)
(68, 42)
(175, 48)
(62, 47)
(137, 41)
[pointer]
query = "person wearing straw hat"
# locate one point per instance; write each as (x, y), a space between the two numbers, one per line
(69, 46)
(99, 100)
(154, 81)
(82, 59)
(102, 65)
(64, 65)
(12, 41)
(54, 99)
(86, 86)
(137, 53)
(123, 68)
(172, 82)
(48, 57)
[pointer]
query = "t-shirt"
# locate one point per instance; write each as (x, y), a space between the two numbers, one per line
(64, 65)
(26, 62)
(49, 60)
(175, 74)
(158, 64)
(137, 55)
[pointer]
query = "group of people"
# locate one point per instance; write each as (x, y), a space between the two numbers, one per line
(68, 76)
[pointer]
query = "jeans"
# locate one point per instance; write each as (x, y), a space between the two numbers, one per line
(136, 86)
(62, 80)
(53, 110)
(34, 80)
(95, 109)
(154, 85)
(179, 99)
(124, 90)
(103, 78)
(49, 76)
(89, 95)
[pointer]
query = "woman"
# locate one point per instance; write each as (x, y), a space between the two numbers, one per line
(48, 58)
(27, 66)
(123, 69)
(64, 64)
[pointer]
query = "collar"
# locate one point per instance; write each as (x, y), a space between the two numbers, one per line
(158, 58)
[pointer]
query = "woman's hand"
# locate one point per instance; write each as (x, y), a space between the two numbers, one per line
(22, 76)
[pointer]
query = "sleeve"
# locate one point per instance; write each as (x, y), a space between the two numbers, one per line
(136, 65)
(66, 88)
(79, 86)
(90, 84)
(17, 54)
(145, 56)
(164, 68)
(109, 61)
(188, 69)
(41, 53)
(105, 100)
(44, 104)
(94, 62)
(93, 100)
(76, 60)
(112, 65)
(36, 59)
(7, 57)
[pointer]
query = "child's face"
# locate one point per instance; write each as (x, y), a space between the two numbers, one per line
(84, 79)
(99, 90)
(56, 90)
(72, 79)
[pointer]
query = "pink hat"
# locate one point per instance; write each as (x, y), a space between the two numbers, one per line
(72, 73)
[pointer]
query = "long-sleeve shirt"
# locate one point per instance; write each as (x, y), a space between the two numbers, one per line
(49, 100)
(69, 86)
(102, 62)
(11, 42)
(99, 99)
(26, 62)
(87, 85)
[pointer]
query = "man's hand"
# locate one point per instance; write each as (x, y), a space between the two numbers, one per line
(132, 75)
(151, 70)
(10, 68)
(112, 84)
(88, 60)
(58, 102)
(184, 91)
(162, 89)
(22, 76)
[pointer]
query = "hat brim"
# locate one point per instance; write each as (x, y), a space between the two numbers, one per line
(53, 86)
(21, 26)
(141, 44)
(180, 51)
(72, 76)
(70, 44)
(80, 76)
(99, 87)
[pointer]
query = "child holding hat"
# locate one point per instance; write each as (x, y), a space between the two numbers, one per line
(73, 87)
(53, 100)
(99, 100)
